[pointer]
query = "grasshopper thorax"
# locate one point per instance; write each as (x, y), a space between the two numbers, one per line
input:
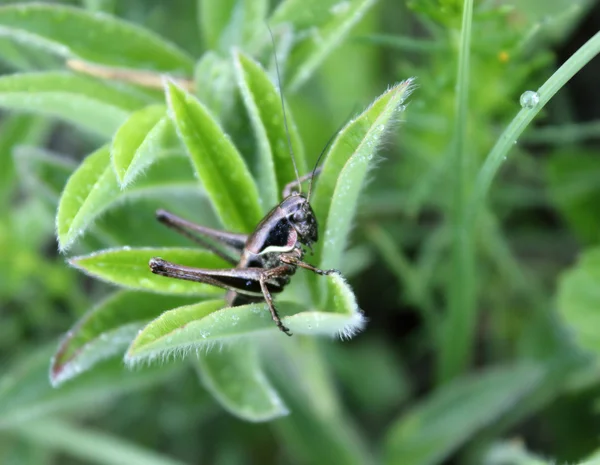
(284, 228)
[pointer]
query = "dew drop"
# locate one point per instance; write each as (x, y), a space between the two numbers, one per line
(529, 99)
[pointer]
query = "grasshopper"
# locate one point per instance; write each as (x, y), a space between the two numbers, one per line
(265, 260)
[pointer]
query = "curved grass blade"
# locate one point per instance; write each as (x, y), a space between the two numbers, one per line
(107, 330)
(344, 171)
(128, 268)
(145, 137)
(218, 164)
(93, 188)
(85, 102)
(447, 418)
(96, 37)
(263, 103)
(235, 378)
(321, 27)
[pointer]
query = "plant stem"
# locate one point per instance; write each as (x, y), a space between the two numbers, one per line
(148, 79)
(457, 332)
(510, 135)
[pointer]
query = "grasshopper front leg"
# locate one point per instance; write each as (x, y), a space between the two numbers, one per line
(294, 261)
(249, 281)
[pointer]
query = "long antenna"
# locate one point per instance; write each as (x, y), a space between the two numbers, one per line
(333, 136)
(285, 123)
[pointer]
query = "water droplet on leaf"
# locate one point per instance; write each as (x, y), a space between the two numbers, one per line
(529, 99)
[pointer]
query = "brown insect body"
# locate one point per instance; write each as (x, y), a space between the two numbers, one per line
(268, 257)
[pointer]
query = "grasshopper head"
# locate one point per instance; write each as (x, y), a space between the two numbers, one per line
(301, 217)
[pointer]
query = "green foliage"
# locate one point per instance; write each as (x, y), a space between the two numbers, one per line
(460, 251)
(76, 33)
(263, 103)
(86, 102)
(218, 164)
(455, 412)
(578, 297)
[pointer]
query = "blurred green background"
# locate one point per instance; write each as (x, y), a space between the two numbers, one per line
(489, 359)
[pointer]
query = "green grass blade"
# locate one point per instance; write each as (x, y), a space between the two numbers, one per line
(89, 445)
(213, 18)
(235, 378)
(43, 172)
(344, 171)
(318, 430)
(128, 267)
(15, 131)
(107, 330)
(218, 164)
(262, 100)
(457, 333)
(507, 139)
(233, 23)
(578, 299)
(85, 102)
(96, 37)
(322, 26)
(564, 133)
(26, 393)
(442, 422)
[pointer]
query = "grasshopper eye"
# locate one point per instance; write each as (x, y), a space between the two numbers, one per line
(299, 216)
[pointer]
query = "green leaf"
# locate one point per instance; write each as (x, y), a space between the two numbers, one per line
(340, 315)
(263, 102)
(208, 323)
(96, 37)
(233, 23)
(318, 430)
(344, 171)
(43, 172)
(107, 330)
(26, 393)
(579, 299)
(219, 165)
(213, 18)
(574, 190)
(513, 453)
(442, 422)
(16, 130)
(128, 268)
(320, 26)
(145, 137)
(215, 84)
(93, 188)
(88, 445)
(235, 378)
(86, 102)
